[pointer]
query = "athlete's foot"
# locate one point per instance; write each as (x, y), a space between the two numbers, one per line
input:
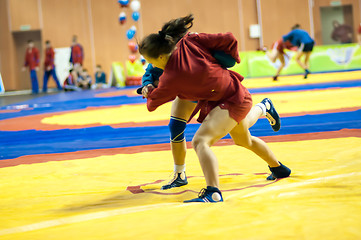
(275, 78)
(208, 195)
(272, 115)
(279, 172)
(306, 74)
(178, 180)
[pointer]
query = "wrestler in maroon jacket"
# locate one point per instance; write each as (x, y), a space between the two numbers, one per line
(281, 45)
(49, 67)
(49, 58)
(32, 62)
(32, 58)
(192, 73)
(77, 53)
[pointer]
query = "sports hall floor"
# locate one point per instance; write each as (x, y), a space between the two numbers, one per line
(89, 165)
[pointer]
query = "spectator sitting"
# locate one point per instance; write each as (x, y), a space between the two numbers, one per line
(84, 80)
(100, 78)
(70, 83)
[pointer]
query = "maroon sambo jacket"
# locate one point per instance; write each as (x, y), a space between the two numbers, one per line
(193, 74)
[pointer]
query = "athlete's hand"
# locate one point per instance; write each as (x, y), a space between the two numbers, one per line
(146, 90)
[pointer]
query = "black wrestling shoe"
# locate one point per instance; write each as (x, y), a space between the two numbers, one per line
(272, 115)
(306, 74)
(279, 172)
(179, 179)
(207, 195)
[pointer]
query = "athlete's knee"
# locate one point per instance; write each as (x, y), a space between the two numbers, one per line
(197, 142)
(200, 142)
(177, 127)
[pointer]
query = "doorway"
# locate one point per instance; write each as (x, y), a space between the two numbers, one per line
(20, 41)
(337, 24)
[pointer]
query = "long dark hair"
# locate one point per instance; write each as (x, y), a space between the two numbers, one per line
(165, 40)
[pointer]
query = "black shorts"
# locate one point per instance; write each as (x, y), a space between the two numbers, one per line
(308, 47)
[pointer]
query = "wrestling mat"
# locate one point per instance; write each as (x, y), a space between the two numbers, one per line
(89, 165)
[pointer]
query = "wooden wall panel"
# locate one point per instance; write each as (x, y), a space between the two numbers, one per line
(210, 15)
(278, 16)
(110, 41)
(249, 17)
(104, 40)
(24, 12)
(64, 18)
(7, 49)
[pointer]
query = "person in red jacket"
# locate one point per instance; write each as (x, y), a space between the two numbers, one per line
(32, 62)
(192, 73)
(77, 54)
(278, 52)
(49, 67)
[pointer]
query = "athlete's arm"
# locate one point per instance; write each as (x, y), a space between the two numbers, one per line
(224, 42)
(150, 78)
(165, 92)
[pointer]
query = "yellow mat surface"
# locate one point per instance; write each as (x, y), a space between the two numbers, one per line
(298, 79)
(88, 198)
(118, 196)
(286, 103)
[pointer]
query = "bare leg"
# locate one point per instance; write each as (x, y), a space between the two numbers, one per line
(216, 125)
(307, 59)
(282, 60)
(272, 55)
(253, 115)
(181, 109)
(298, 60)
(242, 137)
(179, 152)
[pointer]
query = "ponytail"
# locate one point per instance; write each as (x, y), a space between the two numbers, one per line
(165, 40)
